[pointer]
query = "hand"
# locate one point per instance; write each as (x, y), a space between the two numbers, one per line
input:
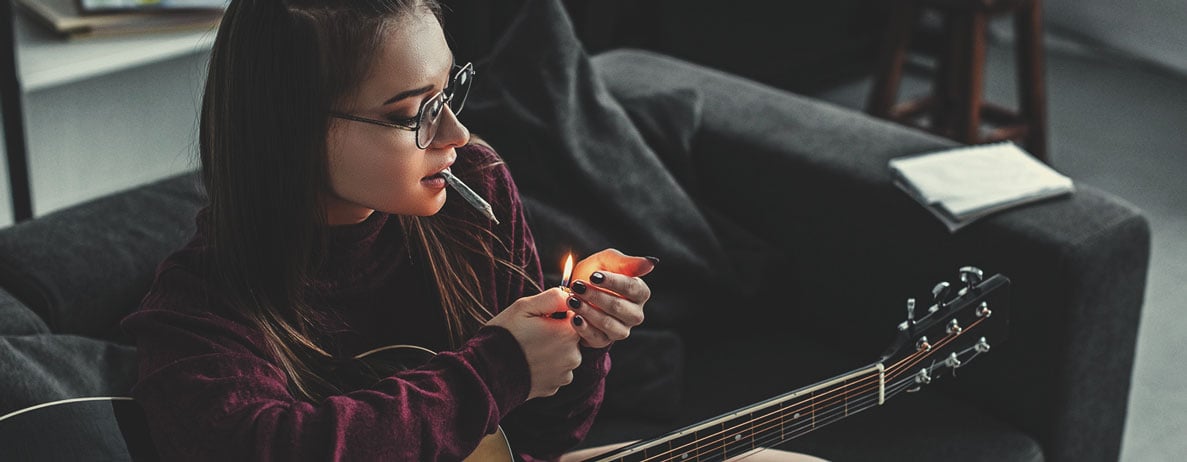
(549, 344)
(610, 296)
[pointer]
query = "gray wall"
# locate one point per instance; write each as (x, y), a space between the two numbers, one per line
(110, 132)
(1151, 29)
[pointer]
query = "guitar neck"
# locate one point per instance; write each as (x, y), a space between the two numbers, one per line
(958, 328)
(767, 423)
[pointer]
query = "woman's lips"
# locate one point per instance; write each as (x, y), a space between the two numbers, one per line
(434, 181)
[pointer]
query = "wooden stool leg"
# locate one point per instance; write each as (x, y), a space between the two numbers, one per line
(1032, 88)
(944, 85)
(969, 69)
(890, 62)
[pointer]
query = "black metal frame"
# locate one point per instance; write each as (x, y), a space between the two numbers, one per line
(11, 98)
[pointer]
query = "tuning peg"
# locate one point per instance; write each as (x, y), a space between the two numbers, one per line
(971, 276)
(910, 322)
(939, 294)
(982, 346)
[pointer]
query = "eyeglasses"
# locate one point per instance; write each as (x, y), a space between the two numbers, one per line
(425, 122)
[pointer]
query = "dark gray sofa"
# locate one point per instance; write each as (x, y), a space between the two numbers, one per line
(799, 185)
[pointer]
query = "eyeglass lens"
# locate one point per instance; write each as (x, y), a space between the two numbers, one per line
(431, 113)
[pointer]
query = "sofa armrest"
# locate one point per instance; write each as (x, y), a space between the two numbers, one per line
(81, 269)
(812, 180)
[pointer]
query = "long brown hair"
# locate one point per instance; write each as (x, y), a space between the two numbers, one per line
(276, 69)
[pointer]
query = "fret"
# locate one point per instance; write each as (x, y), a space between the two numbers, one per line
(782, 425)
(812, 399)
(846, 396)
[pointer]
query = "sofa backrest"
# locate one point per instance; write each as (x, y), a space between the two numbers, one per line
(81, 269)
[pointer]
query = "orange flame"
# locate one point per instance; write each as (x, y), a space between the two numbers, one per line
(568, 270)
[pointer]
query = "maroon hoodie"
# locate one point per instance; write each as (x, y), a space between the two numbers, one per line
(212, 391)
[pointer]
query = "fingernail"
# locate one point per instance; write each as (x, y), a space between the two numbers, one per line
(578, 321)
(653, 260)
(559, 315)
(579, 287)
(574, 303)
(597, 277)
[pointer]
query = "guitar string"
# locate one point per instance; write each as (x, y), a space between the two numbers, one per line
(892, 372)
(827, 419)
(776, 439)
(822, 420)
(779, 414)
(785, 411)
(771, 424)
(835, 417)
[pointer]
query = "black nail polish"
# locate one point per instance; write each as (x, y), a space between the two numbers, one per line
(578, 321)
(579, 287)
(574, 303)
(653, 260)
(597, 277)
(559, 315)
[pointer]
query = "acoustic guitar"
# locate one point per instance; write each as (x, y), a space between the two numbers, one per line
(947, 336)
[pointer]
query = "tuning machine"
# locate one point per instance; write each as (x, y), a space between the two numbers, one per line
(910, 322)
(970, 276)
(939, 295)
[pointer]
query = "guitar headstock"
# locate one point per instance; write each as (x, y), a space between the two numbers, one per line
(959, 325)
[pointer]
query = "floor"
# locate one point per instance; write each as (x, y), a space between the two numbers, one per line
(1120, 125)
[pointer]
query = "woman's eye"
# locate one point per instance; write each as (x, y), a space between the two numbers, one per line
(400, 119)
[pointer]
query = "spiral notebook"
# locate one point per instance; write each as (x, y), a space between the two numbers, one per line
(962, 185)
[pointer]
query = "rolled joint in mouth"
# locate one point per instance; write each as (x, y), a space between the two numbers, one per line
(469, 195)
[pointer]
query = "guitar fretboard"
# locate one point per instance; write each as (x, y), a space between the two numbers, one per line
(766, 423)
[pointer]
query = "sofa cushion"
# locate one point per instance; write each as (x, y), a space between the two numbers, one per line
(85, 285)
(588, 176)
(646, 379)
(50, 367)
(668, 120)
(17, 319)
(590, 181)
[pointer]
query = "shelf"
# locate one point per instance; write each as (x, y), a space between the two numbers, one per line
(46, 60)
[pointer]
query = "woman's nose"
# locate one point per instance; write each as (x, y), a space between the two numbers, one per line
(451, 133)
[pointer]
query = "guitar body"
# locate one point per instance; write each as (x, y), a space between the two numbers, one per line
(493, 448)
(384, 361)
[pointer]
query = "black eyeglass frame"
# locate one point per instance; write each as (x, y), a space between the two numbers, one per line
(445, 99)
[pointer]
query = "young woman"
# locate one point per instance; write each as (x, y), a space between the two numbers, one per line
(325, 127)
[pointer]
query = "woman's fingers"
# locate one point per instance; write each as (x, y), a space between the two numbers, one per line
(610, 326)
(590, 336)
(627, 312)
(614, 261)
(609, 296)
(631, 288)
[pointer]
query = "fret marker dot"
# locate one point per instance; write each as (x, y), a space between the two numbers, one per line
(684, 456)
(737, 437)
(796, 416)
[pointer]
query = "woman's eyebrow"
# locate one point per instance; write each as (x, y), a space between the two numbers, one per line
(408, 94)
